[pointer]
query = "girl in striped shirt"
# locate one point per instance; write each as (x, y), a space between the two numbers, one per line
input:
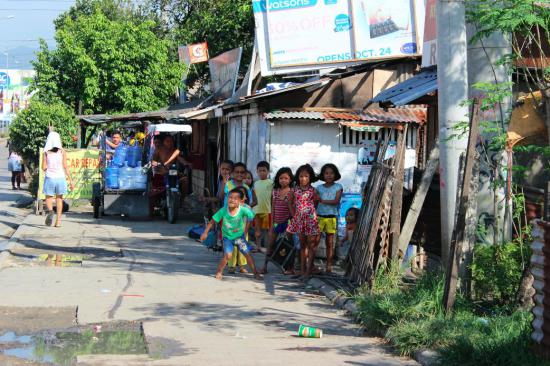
(280, 209)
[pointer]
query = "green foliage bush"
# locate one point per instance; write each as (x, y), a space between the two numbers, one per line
(411, 317)
(497, 271)
(29, 129)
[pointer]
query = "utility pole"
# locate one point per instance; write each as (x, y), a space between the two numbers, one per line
(483, 56)
(452, 79)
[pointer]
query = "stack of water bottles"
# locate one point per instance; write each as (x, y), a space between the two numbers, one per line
(124, 170)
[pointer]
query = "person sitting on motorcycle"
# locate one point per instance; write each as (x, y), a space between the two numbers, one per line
(165, 155)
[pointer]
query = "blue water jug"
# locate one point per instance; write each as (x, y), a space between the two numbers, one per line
(140, 179)
(111, 177)
(133, 156)
(126, 178)
(120, 155)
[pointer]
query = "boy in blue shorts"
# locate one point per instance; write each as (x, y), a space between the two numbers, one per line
(236, 223)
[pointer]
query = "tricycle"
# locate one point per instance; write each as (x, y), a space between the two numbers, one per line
(123, 187)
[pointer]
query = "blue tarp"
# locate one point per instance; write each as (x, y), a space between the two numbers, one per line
(403, 93)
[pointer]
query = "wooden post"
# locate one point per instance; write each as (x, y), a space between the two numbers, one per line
(547, 202)
(418, 200)
(397, 194)
(459, 232)
(467, 245)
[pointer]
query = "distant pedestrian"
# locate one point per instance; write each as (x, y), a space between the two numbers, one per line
(56, 175)
(15, 166)
(330, 195)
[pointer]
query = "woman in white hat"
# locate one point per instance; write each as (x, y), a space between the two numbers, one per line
(57, 173)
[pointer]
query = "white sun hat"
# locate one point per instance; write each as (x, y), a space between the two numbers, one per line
(53, 141)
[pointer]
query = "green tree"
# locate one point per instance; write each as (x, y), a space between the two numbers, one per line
(224, 24)
(29, 129)
(112, 9)
(104, 65)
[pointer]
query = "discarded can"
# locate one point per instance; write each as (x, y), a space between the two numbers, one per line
(97, 329)
(310, 332)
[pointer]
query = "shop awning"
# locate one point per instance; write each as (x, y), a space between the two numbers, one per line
(408, 91)
(360, 127)
(172, 112)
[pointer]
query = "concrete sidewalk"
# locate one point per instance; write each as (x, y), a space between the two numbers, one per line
(10, 215)
(149, 271)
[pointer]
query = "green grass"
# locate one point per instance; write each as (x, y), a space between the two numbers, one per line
(412, 319)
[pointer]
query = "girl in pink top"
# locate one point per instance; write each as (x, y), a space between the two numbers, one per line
(304, 217)
(56, 173)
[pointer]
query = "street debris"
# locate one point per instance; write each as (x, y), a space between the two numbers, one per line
(309, 332)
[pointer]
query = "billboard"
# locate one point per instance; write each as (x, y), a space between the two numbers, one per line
(224, 70)
(14, 91)
(298, 35)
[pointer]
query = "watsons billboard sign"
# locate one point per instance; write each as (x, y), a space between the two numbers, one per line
(298, 35)
(274, 5)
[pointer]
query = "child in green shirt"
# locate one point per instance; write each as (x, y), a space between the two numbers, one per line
(236, 223)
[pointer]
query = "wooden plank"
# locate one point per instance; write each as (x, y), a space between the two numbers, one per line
(360, 258)
(459, 232)
(397, 194)
(373, 233)
(469, 240)
(383, 235)
(418, 200)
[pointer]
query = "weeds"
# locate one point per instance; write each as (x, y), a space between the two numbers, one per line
(412, 319)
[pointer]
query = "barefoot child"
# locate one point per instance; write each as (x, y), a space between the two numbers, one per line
(263, 188)
(236, 222)
(238, 177)
(280, 209)
(330, 194)
(304, 218)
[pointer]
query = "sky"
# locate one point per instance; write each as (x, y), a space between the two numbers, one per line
(22, 23)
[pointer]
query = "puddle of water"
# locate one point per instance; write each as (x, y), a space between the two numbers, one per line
(60, 260)
(28, 353)
(62, 348)
(11, 337)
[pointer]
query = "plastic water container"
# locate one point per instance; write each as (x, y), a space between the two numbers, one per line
(111, 177)
(133, 156)
(140, 179)
(126, 178)
(120, 155)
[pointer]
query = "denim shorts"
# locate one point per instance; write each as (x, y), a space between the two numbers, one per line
(240, 243)
(54, 186)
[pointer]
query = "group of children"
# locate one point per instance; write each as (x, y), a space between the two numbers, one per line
(289, 206)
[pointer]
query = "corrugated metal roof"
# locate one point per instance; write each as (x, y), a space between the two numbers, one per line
(164, 114)
(374, 115)
(281, 114)
(403, 93)
(311, 84)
